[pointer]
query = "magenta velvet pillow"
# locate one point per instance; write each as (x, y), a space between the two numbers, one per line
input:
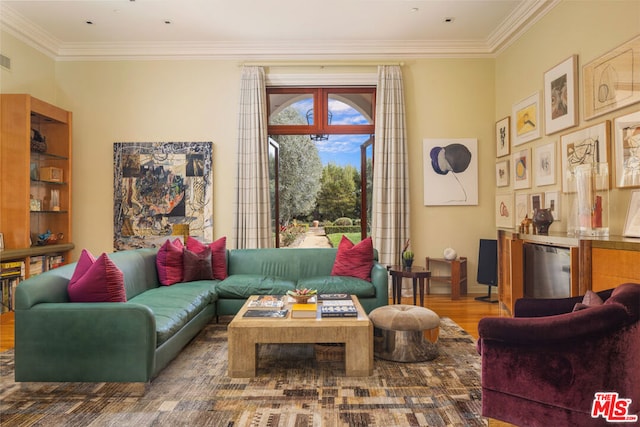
(354, 260)
(100, 281)
(85, 261)
(218, 255)
(169, 262)
(197, 265)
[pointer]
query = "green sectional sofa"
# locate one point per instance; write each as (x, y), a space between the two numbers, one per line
(59, 340)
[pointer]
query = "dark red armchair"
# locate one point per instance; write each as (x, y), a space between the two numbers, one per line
(544, 366)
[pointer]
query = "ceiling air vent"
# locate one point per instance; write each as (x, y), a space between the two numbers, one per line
(5, 62)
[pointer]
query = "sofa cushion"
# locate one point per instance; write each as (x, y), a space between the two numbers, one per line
(354, 260)
(174, 306)
(338, 285)
(196, 266)
(218, 255)
(245, 285)
(169, 262)
(96, 280)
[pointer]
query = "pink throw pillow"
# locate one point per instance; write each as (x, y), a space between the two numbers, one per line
(169, 262)
(218, 255)
(100, 281)
(354, 260)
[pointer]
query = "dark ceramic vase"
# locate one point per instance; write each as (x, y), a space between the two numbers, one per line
(542, 219)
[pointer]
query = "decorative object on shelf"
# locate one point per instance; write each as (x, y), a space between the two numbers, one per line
(50, 174)
(302, 296)
(35, 205)
(542, 219)
(608, 81)
(525, 225)
(589, 189)
(450, 254)
(526, 120)
(561, 96)
(55, 201)
(38, 142)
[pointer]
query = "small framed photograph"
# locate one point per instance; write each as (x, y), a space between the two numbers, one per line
(611, 81)
(504, 210)
(551, 201)
(584, 146)
(536, 201)
(503, 137)
(627, 150)
(521, 165)
(526, 119)
(632, 224)
(545, 164)
(502, 173)
(561, 96)
(522, 206)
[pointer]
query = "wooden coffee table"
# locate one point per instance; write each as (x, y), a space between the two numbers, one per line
(246, 333)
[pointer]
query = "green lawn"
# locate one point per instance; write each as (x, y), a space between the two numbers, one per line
(335, 238)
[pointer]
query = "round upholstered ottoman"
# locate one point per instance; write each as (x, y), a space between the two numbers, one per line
(405, 333)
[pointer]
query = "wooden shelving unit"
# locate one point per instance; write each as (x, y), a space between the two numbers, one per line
(456, 277)
(35, 185)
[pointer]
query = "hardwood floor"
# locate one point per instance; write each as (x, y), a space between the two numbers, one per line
(466, 312)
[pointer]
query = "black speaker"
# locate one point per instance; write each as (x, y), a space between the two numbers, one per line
(488, 266)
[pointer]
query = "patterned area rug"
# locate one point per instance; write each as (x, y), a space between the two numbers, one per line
(292, 389)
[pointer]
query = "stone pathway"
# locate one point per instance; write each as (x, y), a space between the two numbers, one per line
(315, 238)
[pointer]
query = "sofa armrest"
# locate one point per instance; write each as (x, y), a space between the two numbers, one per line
(85, 342)
(531, 331)
(541, 307)
(380, 280)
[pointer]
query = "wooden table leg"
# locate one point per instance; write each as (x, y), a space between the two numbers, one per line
(242, 356)
(415, 284)
(422, 285)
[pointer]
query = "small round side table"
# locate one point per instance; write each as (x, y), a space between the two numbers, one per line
(416, 273)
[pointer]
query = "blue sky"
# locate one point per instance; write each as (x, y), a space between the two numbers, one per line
(342, 150)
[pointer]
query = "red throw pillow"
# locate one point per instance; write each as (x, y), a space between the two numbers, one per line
(101, 281)
(197, 266)
(169, 262)
(354, 260)
(218, 255)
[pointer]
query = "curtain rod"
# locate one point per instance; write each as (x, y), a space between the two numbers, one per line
(319, 64)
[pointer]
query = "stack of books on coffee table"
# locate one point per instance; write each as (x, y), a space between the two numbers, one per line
(266, 306)
(338, 308)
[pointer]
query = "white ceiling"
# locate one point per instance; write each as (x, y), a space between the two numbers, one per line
(269, 29)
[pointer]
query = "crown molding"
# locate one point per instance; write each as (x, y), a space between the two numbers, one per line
(511, 29)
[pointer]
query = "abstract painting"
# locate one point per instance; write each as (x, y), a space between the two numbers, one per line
(161, 189)
(627, 152)
(586, 146)
(450, 172)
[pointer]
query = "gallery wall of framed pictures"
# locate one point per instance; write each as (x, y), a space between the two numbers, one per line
(543, 140)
